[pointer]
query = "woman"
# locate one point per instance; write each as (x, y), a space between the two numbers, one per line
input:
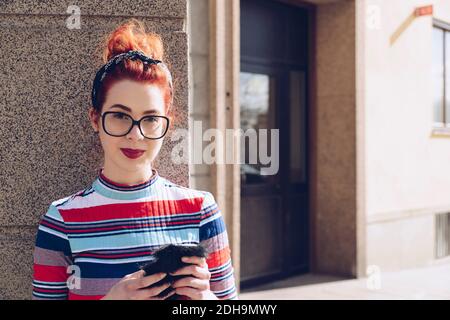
(90, 245)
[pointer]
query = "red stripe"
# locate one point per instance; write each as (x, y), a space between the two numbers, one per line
(73, 296)
(132, 210)
(222, 273)
(52, 226)
(50, 273)
(128, 227)
(218, 258)
(92, 255)
(211, 213)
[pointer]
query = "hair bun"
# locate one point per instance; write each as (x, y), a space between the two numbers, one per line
(131, 35)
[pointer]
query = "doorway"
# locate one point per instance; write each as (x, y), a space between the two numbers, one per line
(273, 95)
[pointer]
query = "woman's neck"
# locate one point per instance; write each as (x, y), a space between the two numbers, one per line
(128, 178)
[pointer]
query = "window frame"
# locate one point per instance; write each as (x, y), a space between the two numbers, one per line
(443, 127)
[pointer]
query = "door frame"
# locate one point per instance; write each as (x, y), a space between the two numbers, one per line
(224, 19)
(260, 65)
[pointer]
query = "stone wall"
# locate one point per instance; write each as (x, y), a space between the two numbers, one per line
(48, 148)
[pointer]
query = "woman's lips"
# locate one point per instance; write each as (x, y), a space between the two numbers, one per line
(132, 153)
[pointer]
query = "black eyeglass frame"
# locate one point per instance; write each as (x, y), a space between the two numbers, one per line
(134, 122)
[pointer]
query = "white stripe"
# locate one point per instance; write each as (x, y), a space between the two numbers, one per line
(229, 274)
(213, 217)
(57, 202)
(112, 261)
(50, 287)
(43, 295)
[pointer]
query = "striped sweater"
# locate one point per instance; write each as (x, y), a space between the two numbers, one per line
(88, 241)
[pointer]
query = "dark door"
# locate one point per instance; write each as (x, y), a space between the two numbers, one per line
(274, 208)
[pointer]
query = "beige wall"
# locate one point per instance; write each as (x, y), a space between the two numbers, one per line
(407, 167)
(337, 145)
(199, 63)
(213, 28)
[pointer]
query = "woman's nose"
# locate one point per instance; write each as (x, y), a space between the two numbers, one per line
(135, 133)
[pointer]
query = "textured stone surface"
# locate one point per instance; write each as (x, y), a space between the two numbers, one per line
(16, 262)
(48, 150)
(336, 148)
(146, 8)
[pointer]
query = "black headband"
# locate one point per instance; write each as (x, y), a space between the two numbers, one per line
(111, 64)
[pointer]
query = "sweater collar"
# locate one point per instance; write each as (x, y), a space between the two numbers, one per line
(111, 189)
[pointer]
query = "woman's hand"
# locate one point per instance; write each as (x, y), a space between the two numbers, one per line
(133, 287)
(195, 287)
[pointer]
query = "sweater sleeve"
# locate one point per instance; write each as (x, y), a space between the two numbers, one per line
(51, 258)
(213, 235)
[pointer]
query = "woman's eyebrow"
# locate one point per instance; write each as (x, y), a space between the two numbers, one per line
(121, 106)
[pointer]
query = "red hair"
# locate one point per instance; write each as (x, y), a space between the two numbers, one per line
(131, 35)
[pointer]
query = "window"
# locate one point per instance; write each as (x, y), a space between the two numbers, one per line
(257, 103)
(442, 241)
(441, 74)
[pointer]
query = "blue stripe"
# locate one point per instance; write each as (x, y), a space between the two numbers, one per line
(50, 296)
(49, 241)
(106, 270)
(212, 228)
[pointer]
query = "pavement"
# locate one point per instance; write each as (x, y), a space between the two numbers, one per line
(431, 282)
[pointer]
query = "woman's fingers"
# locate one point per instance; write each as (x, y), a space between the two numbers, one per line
(192, 293)
(171, 293)
(191, 282)
(143, 294)
(193, 287)
(195, 270)
(145, 281)
(201, 262)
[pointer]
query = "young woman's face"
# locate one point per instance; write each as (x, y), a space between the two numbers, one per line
(137, 100)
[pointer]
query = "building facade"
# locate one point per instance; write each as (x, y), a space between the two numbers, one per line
(359, 91)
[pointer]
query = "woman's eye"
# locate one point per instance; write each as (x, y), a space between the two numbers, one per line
(151, 119)
(120, 115)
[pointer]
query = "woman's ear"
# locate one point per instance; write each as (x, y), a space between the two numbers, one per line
(94, 119)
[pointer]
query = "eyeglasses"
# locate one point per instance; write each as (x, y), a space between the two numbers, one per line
(119, 124)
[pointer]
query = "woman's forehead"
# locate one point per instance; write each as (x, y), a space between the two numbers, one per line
(139, 97)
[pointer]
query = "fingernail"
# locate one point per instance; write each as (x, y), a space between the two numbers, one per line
(185, 259)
